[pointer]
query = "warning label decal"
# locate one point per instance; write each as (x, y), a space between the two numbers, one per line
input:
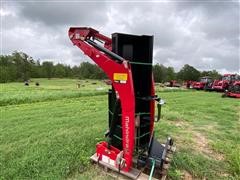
(120, 76)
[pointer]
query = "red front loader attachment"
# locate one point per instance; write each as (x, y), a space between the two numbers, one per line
(127, 61)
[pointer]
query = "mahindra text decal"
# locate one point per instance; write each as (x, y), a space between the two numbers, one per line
(127, 133)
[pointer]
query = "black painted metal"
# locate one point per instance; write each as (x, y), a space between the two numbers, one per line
(138, 50)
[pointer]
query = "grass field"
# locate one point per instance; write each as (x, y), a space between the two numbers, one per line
(50, 131)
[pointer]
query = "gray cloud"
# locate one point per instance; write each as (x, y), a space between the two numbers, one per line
(190, 32)
(65, 13)
(203, 34)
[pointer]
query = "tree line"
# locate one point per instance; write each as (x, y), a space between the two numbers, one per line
(165, 74)
(21, 67)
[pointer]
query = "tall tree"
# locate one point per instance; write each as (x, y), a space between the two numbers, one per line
(213, 74)
(171, 75)
(76, 71)
(157, 73)
(163, 74)
(48, 69)
(188, 73)
(23, 65)
(59, 71)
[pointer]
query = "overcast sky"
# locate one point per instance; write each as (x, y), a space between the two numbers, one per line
(200, 33)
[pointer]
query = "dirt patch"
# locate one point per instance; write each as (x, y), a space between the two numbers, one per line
(184, 138)
(225, 175)
(210, 127)
(196, 139)
(238, 113)
(179, 123)
(201, 142)
(202, 145)
(187, 176)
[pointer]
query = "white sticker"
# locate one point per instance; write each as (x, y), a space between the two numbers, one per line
(105, 159)
(123, 82)
(112, 162)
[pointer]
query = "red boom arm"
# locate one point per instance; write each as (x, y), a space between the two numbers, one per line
(119, 72)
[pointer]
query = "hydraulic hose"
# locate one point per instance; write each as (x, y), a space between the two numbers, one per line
(106, 51)
(152, 170)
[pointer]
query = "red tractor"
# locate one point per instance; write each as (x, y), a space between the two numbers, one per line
(234, 88)
(224, 82)
(204, 82)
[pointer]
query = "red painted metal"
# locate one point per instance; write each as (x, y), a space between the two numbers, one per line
(223, 84)
(152, 107)
(189, 84)
(231, 94)
(86, 33)
(103, 150)
(200, 84)
(125, 90)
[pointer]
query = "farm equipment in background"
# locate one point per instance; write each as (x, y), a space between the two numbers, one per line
(233, 88)
(203, 83)
(224, 83)
(130, 147)
(188, 84)
(191, 84)
(107, 81)
(173, 83)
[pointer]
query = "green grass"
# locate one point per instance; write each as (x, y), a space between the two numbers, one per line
(17, 93)
(49, 132)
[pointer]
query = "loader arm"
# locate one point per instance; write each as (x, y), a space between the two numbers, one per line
(131, 148)
(119, 72)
